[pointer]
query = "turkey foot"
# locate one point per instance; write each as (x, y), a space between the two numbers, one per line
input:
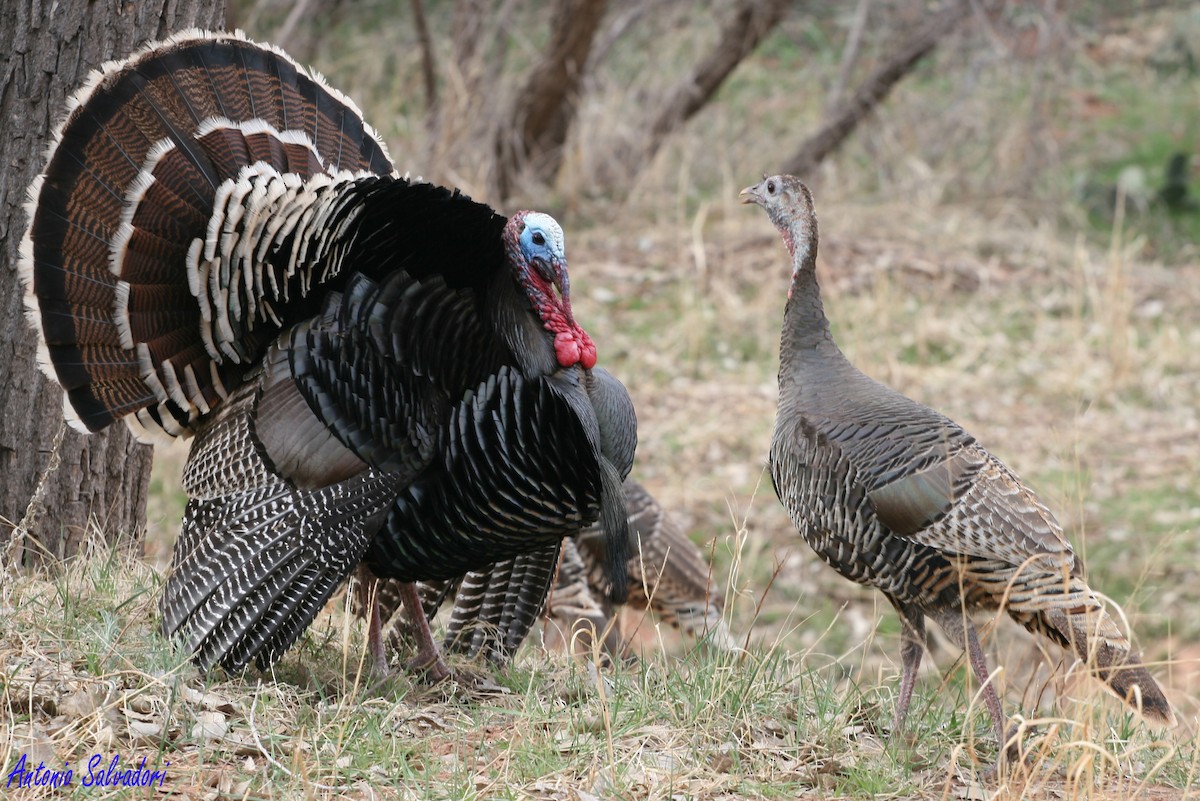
(428, 662)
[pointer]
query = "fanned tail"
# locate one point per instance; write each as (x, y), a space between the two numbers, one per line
(156, 201)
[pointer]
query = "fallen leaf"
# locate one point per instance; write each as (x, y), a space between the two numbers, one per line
(78, 704)
(242, 743)
(147, 731)
(210, 725)
(209, 701)
(30, 740)
(105, 739)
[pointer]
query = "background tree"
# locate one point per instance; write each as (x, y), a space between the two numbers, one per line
(843, 117)
(535, 129)
(54, 481)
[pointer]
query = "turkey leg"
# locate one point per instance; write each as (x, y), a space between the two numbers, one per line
(429, 655)
(368, 597)
(912, 649)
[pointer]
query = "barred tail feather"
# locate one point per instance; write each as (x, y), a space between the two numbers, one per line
(1100, 644)
(477, 591)
(128, 202)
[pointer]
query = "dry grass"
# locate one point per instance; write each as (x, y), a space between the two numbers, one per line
(1074, 357)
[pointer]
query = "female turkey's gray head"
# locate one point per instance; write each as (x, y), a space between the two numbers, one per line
(534, 244)
(789, 204)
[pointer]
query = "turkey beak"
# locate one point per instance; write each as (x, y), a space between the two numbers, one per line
(553, 272)
(750, 195)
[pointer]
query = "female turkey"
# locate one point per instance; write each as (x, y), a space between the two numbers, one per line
(373, 369)
(898, 497)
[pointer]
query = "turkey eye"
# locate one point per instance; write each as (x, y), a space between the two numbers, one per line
(538, 239)
(770, 187)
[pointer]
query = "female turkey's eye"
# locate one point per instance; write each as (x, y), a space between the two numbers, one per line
(538, 239)
(770, 187)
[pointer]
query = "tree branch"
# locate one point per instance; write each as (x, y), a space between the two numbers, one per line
(838, 126)
(751, 22)
(849, 54)
(428, 67)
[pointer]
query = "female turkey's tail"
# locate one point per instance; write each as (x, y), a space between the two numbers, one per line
(1083, 626)
(144, 226)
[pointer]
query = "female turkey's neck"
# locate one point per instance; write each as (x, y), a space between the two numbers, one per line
(805, 334)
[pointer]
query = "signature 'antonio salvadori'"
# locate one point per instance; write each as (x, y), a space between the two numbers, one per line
(100, 771)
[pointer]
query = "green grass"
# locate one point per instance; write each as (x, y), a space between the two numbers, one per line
(771, 723)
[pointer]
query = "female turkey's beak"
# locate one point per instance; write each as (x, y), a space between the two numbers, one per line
(751, 195)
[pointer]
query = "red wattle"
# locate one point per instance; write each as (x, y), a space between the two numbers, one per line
(587, 351)
(566, 348)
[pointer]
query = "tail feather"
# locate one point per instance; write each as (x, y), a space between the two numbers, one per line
(496, 608)
(1099, 643)
(132, 183)
(526, 596)
(464, 630)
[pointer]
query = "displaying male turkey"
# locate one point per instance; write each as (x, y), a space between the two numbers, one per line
(896, 496)
(495, 609)
(375, 370)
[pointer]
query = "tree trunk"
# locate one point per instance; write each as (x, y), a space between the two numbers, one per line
(55, 482)
(537, 126)
(839, 124)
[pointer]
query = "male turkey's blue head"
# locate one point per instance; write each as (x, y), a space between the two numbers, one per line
(535, 246)
(542, 245)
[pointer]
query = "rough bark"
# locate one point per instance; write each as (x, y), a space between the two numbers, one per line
(874, 89)
(535, 130)
(49, 48)
(750, 23)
